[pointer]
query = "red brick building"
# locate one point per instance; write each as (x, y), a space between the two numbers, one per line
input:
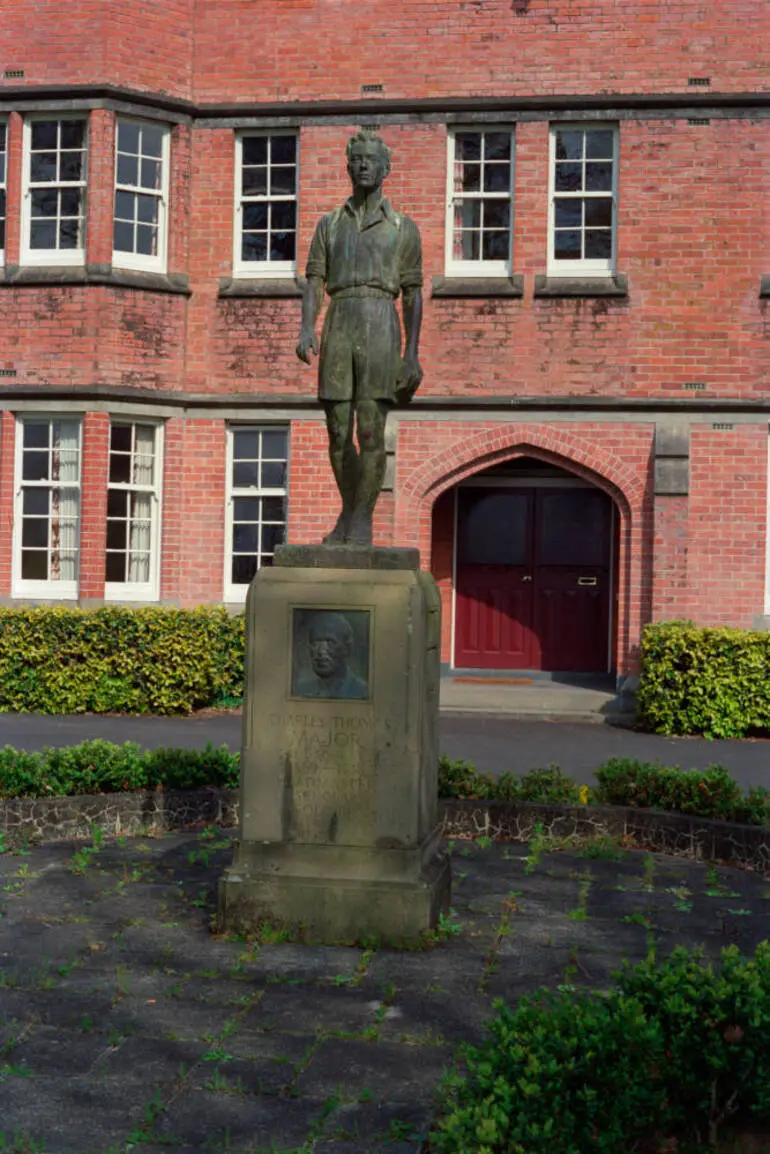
(589, 448)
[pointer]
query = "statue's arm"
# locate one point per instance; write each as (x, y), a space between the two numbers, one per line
(311, 306)
(412, 305)
(411, 291)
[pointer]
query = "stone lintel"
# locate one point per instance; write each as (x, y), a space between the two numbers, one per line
(588, 286)
(672, 439)
(672, 477)
(345, 557)
(480, 286)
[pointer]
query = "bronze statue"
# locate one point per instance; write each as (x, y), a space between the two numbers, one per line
(365, 254)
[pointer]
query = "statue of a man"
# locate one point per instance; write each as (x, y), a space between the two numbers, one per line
(365, 254)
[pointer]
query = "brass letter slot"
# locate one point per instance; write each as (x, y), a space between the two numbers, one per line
(587, 581)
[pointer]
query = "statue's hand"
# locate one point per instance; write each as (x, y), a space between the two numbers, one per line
(307, 343)
(408, 379)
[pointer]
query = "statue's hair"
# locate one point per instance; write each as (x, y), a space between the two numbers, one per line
(333, 624)
(366, 136)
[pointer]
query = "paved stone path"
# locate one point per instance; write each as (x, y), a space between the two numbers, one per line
(125, 1024)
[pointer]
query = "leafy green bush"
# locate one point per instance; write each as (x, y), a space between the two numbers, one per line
(462, 779)
(709, 792)
(675, 1050)
(101, 767)
(119, 660)
(710, 681)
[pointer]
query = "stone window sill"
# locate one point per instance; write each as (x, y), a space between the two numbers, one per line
(97, 274)
(764, 286)
(267, 288)
(457, 287)
(570, 286)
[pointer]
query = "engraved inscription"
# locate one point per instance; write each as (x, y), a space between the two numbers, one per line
(330, 654)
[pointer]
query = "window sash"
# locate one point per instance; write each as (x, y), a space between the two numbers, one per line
(34, 190)
(479, 265)
(48, 530)
(136, 550)
(581, 265)
(124, 189)
(267, 267)
(260, 492)
(3, 179)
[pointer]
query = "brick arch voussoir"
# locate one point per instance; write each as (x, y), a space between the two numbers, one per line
(464, 458)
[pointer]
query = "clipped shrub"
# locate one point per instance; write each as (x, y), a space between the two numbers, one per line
(709, 792)
(462, 779)
(101, 767)
(710, 681)
(119, 660)
(673, 1052)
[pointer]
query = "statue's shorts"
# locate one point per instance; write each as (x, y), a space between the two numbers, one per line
(360, 347)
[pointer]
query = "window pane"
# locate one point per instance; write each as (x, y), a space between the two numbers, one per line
(151, 174)
(44, 202)
(282, 246)
(34, 532)
(468, 214)
(120, 468)
(598, 212)
(115, 568)
(246, 508)
(120, 438)
(117, 503)
(44, 133)
(497, 214)
(36, 435)
(273, 475)
(497, 177)
(567, 245)
(147, 209)
(274, 444)
(123, 237)
(599, 176)
(42, 235)
(467, 245)
(128, 136)
(73, 133)
(569, 144)
(42, 166)
(283, 216)
(116, 534)
(494, 246)
(243, 570)
(254, 182)
(246, 444)
(124, 205)
(255, 216)
(35, 502)
(568, 178)
(152, 141)
(71, 166)
(469, 178)
(245, 538)
(497, 146)
(283, 181)
(255, 150)
(254, 246)
(283, 149)
(35, 465)
(34, 566)
(598, 244)
(272, 508)
(69, 202)
(599, 145)
(468, 146)
(69, 234)
(568, 213)
(128, 170)
(272, 536)
(146, 240)
(245, 473)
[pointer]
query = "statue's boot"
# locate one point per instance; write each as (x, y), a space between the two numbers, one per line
(339, 533)
(360, 528)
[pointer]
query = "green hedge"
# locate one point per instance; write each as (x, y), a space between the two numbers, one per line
(117, 660)
(673, 1054)
(710, 681)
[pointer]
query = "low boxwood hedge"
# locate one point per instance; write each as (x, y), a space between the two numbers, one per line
(710, 681)
(102, 767)
(665, 1060)
(119, 660)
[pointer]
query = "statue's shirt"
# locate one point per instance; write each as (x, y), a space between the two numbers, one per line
(381, 252)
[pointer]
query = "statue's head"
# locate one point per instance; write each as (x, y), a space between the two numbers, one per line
(368, 160)
(330, 641)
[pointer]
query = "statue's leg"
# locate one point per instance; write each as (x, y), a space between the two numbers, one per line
(371, 417)
(344, 462)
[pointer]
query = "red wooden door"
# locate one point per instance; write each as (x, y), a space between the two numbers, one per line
(494, 611)
(533, 579)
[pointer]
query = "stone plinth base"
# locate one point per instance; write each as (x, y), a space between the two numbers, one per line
(330, 907)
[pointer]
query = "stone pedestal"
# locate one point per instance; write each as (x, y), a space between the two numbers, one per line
(338, 829)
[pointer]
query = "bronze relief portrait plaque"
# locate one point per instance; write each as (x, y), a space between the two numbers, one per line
(330, 654)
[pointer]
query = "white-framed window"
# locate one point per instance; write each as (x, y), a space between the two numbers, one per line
(54, 190)
(3, 177)
(257, 477)
(139, 236)
(265, 204)
(479, 202)
(133, 511)
(583, 200)
(46, 531)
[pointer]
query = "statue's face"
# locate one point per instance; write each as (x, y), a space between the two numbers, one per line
(328, 653)
(366, 165)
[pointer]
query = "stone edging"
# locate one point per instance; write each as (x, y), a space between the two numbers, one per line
(155, 811)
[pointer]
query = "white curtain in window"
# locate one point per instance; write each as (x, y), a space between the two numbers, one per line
(65, 501)
(144, 449)
(140, 538)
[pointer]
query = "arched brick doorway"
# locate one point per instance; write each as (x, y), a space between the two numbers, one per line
(533, 551)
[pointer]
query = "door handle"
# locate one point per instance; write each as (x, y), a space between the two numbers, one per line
(588, 581)
(527, 577)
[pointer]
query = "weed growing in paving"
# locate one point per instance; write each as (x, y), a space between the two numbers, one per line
(580, 913)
